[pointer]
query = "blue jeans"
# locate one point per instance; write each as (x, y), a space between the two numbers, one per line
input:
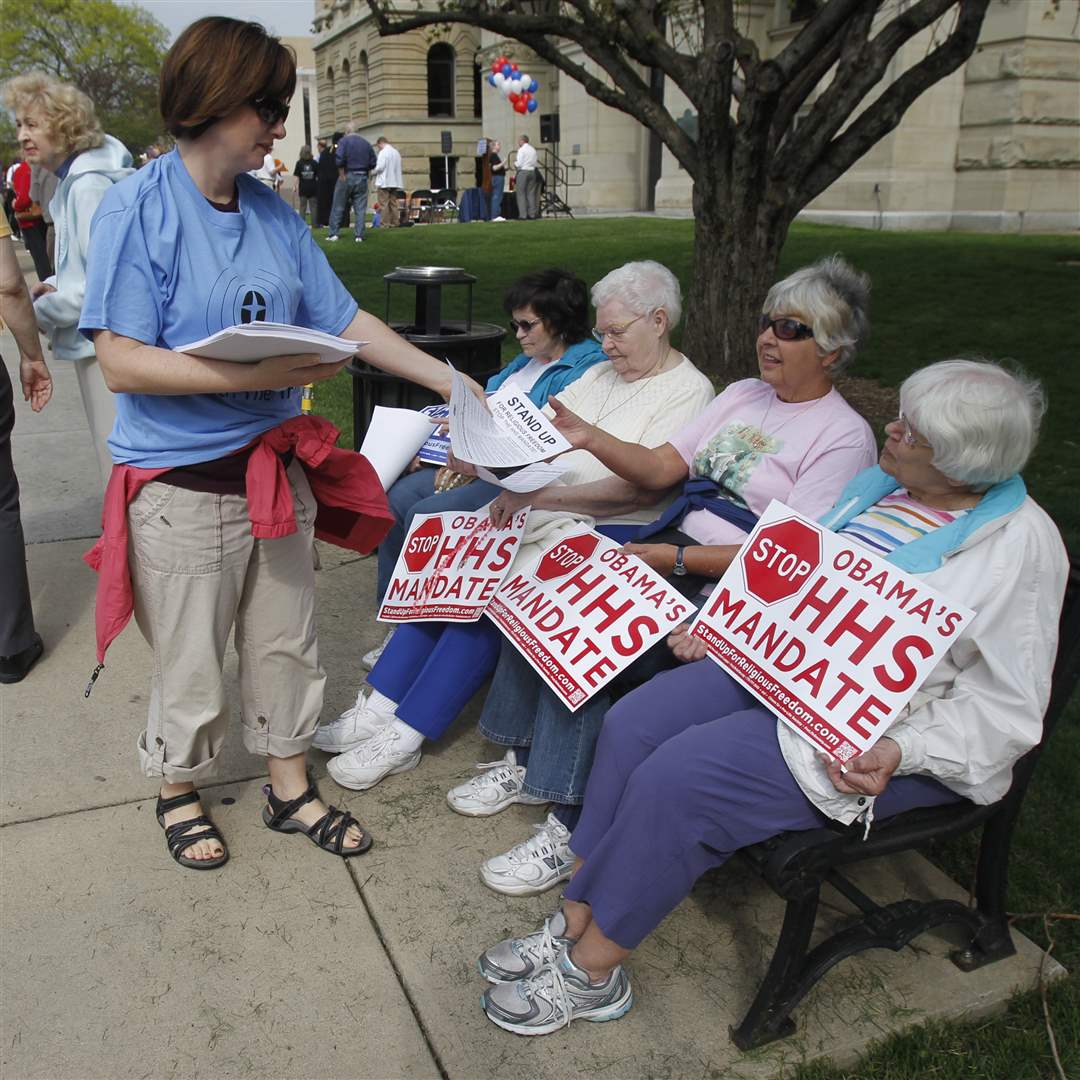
(497, 185)
(352, 191)
(415, 494)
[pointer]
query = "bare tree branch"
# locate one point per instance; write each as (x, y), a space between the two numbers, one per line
(853, 80)
(886, 113)
(630, 94)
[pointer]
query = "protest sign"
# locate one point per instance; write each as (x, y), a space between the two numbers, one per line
(584, 612)
(433, 452)
(832, 639)
(450, 566)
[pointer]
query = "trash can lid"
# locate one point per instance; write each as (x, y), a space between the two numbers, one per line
(428, 275)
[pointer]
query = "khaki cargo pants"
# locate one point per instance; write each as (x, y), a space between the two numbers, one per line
(197, 572)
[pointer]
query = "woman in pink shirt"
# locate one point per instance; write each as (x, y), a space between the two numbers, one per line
(787, 435)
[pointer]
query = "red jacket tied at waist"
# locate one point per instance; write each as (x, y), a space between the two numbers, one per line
(352, 509)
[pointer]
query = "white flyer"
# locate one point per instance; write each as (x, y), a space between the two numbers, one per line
(392, 439)
(530, 478)
(513, 432)
(251, 342)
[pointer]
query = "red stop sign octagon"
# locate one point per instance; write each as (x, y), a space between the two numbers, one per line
(566, 556)
(422, 543)
(780, 560)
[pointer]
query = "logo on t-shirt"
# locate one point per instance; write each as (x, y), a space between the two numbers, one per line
(253, 308)
(732, 454)
(260, 296)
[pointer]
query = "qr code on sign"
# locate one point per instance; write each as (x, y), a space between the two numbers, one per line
(577, 697)
(845, 751)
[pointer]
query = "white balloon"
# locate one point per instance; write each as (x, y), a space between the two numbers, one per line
(526, 80)
(500, 78)
(515, 85)
(506, 88)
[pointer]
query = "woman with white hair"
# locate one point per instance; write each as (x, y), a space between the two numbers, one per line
(674, 792)
(58, 129)
(787, 435)
(644, 392)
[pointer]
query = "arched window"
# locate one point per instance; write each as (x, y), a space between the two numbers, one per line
(365, 87)
(440, 80)
(343, 111)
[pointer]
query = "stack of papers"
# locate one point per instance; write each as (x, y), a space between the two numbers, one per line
(251, 342)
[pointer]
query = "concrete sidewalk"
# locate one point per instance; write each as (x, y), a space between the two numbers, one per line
(291, 963)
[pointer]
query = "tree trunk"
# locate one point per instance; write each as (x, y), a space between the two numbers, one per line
(737, 244)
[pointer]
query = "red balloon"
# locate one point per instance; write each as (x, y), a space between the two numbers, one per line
(495, 67)
(526, 97)
(521, 107)
(514, 99)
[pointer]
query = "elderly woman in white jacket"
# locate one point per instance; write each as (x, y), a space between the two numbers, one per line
(59, 130)
(675, 791)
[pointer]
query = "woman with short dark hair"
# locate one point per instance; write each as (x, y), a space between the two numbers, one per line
(212, 458)
(549, 316)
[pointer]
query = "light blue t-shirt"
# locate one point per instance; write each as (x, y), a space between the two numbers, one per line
(166, 268)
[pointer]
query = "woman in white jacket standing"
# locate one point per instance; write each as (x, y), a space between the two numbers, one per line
(690, 767)
(58, 129)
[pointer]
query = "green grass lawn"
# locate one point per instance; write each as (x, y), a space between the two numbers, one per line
(935, 295)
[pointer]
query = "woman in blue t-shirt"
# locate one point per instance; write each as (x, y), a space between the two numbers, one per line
(187, 246)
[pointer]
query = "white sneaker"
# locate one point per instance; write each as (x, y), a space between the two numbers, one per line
(496, 788)
(355, 725)
(331, 239)
(365, 765)
(500, 218)
(371, 657)
(533, 866)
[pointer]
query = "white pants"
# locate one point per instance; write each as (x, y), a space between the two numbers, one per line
(100, 406)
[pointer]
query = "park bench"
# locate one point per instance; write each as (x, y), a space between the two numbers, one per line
(796, 865)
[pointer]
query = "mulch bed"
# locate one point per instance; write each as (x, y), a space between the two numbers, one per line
(876, 403)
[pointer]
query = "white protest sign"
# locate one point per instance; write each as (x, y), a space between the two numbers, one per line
(830, 638)
(584, 612)
(450, 566)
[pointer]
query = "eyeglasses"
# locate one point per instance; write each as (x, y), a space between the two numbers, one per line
(613, 332)
(524, 325)
(785, 329)
(908, 434)
(271, 111)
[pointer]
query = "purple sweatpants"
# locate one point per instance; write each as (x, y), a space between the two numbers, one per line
(688, 770)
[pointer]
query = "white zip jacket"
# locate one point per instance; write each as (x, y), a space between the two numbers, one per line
(73, 206)
(981, 707)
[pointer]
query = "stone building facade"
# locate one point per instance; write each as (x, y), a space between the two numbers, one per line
(995, 146)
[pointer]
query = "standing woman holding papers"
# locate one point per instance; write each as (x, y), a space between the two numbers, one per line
(212, 457)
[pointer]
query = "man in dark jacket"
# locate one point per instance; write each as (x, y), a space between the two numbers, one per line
(355, 159)
(327, 178)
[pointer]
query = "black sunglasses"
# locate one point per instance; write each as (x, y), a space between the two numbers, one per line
(271, 111)
(524, 324)
(785, 329)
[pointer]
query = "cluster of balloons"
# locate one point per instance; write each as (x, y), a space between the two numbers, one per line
(519, 89)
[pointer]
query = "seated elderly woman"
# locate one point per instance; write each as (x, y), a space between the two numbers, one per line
(644, 393)
(787, 435)
(549, 315)
(675, 791)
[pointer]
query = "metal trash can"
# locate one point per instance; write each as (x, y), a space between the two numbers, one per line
(473, 348)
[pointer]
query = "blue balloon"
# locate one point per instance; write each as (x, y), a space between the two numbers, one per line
(507, 69)
(533, 86)
(491, 80)
(533, 105)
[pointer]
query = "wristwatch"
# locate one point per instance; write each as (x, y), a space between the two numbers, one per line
(679, 569)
